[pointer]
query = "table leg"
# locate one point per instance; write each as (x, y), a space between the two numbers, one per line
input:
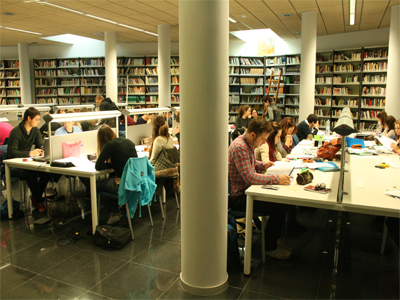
(249, 235)
(9, 191)
(93, 198)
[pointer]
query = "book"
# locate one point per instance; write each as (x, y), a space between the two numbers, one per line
(311, 188)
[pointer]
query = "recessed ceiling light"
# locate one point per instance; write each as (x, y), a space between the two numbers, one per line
(21, 30)
(98, 33)
(298, 32)
(286, 15)
(243, 16)
(7, 13)
(232, 20)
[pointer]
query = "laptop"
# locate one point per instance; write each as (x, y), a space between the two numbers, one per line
(46, 156)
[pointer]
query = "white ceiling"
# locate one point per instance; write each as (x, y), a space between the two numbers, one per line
(333, 18)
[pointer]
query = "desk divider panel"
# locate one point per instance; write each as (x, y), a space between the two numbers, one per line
(88, 138)
(136, 132)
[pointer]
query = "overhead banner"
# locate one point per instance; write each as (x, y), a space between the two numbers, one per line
(266, 45)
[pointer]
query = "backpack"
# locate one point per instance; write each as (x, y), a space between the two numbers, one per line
(277, 113)
(111, 238)
(233, 248)
(17, 212)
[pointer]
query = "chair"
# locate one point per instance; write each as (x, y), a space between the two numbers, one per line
(21, 183)
(115, 197)
(242, 214)
(295, 140)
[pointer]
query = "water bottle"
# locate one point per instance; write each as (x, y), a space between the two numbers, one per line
(328, 128)
(82, 154)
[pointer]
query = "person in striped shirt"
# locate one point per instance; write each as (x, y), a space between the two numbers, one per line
(244, 171)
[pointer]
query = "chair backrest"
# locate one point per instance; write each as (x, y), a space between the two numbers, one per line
(295, 140)
(141, 163)
(3, 150)
(5, 141)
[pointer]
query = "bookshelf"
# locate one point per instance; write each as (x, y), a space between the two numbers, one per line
(69, 80)
(354, 78)
(10, 91)
(292, 86)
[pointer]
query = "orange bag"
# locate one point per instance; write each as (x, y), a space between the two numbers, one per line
(329, 149)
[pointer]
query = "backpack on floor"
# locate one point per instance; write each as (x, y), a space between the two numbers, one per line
(17, 212)
(111, 238)
(233, 248)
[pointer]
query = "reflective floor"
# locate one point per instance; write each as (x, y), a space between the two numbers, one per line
(33, 266)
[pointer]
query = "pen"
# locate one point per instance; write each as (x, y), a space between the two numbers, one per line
(291, 189)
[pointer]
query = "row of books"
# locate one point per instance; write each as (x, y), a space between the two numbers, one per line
(92, 62)
(321, 113)
(175, 89)
(13, 93)
(174, 98)
(341, 91)
(136, 90)
(323, 80)
(72, 91)
(46, 92)
(250, 61)
(374, 90)
(135, 80)
(234, 80)
(368, 126)
(291, 111)
(292, 100)
(11, 83)
(92, 81)
(12, 101)
(321, 58)
(292, 69)
(375, 66)
(381, 53)
(234, 99)
(293, 60)
(323, 91)
(323, 69)
(69, 101)
(342, 56)
(174, 61)
(346, 68)
(251, 99)
(279, 60)
(248, 80)
(90, 90)
(151, 80)
(336, 113)
(293, 79)
(134, 62)
(369, 114)
(152, 89)
(253, 90)
(381, 78)
(7, 74)
(175, 79)
(175, 70)
(251, 71)
(373, 102)
(68, 63)
(347, 79)
(347, 102)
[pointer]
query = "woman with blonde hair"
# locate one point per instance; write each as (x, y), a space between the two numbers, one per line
(160, 138)
(113, 154)
(388, 127)
(395, 145)
(285, 145)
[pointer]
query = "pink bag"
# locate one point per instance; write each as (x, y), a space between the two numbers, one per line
(71, 148)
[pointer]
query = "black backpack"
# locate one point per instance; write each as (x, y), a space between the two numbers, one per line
(111, 238)
(234, 261)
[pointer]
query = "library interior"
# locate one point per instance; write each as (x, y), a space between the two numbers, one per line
(285, 182)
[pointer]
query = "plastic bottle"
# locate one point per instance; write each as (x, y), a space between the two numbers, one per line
(82, 154)
(328, 128)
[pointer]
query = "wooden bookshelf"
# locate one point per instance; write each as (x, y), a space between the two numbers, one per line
(69, 80)
(10, 91)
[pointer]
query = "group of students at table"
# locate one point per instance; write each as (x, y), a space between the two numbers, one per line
(113, 152)
(262, 144)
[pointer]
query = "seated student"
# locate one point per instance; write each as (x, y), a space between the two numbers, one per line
(306, 127)
(244, 171)
(389, 127)
(53, 125)
(396, 145)
(270, 107)
(160, 138)
(177, 129)
(169, 119)
(243, 119)
(5, 129)
(285, 145)
(21, 140)
(254, 113)
(114, 153)
(268, 152)
(68, 128)
(144, 119)
(381, 116)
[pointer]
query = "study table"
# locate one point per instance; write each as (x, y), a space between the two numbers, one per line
(365, 185)
(85, 169)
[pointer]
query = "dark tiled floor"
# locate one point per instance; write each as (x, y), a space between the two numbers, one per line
(34, 266)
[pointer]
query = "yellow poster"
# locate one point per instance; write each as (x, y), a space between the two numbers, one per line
(266, 45)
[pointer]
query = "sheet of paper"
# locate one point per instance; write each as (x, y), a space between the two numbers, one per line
(280, 169)
(395, 165)
(385, 141)
(318, 165)
(395, 193)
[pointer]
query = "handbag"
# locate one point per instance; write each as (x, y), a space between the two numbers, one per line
(329, 149)
(111, 238)
(145, 141)
(163, 161)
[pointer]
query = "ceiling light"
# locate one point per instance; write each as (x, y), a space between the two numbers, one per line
(232, 20)
(298, 32)
(352, 12)
(7, 13)
(286, 15)
(89, 15)
(243, 16)
(25, 31)
(98, 33)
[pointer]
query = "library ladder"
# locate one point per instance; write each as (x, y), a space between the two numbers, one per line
(273, 83)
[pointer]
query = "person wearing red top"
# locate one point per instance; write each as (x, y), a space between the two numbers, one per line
(244, 171)
(5, 129)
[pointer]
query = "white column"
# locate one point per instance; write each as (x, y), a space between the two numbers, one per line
(164, 57)
(110, 38)
(392, 106)
(204, 58)
(308, 53)
(24, 73)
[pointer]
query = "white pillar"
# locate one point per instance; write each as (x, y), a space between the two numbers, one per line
(110, 38)
(164, 57)
(24, 73)
(308, 53)
(204, 58)
(392, 106)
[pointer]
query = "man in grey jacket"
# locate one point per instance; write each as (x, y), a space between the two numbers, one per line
(20, 143)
